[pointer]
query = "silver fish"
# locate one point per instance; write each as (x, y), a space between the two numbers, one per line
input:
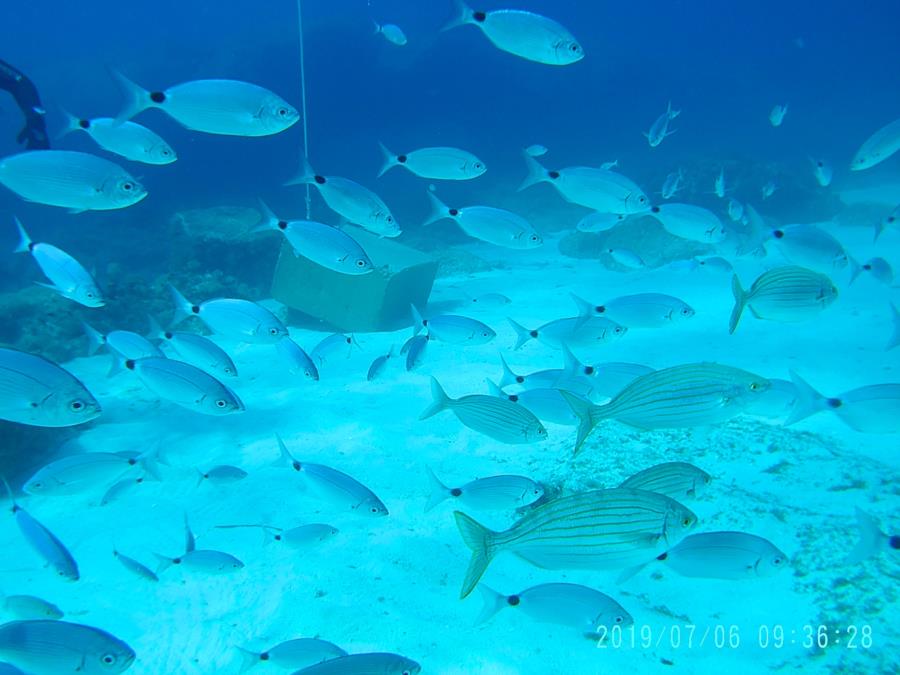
(784, 294)
(768, 189)
(570, 331)
(872, 540)
(391, 32)
(329, 346)
(414, 348)
(559, 378)
(376, 369)
(492, 300)
(123, 344)
(678, 480)
(227, 107)
(499, 419)
(878, 147)
(603, 379)
(719, 189)
(195, 349)
(186, 386)
(80, 472)
(67, 276)
(436, 163)
(42, 646)
(874, 409)
(222, 474)
(642, 310)
(693, 394)
(325, 245)
(457, 330)
(298, 361)
(205, 561)
(724, 555)
(601, 529)
(627, 258)
(296, 653)
(373, 663)
(349, 199)
(879, 268)
(335, 486)
(579, 607)
(118, 489)
(660, 128)
(44, 542)
(810, 246)
(495, 226)
(776, 115)
(490, 493)
(127, 139)
(776, 402)
(597, 189)
(73, 180)
(822, 171)
(135, 567)
(235, 318)
(38, 392)
(536, 150)
(29, 607)
(546, 403)
(600, 222)
(735, 210)
(524, 34)
(672, 184)
(890, 220)
(690, 222)
(303, 536)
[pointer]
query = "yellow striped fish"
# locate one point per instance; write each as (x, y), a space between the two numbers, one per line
(498, 418)
(689, 395)
(601, 529)
(785, 294)
(678, 480)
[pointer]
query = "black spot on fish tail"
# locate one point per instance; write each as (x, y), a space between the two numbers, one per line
(195, 309)
(264, 656)
(455, 492)
(479, 16)
(655, 209)
(513, 397)
(588, 370)
(129, 364)
(834, 403)
(158, 97)
(520, 379)
(84, 124)
(778, 234)
(533, 333)
(168, 335)
(662, 556)
(513, 600)
(894, 542)
(454, 212)
(553, 174)
(282, 224)
(600, 309)
(277, 538)
(401, 159)
(320, 180)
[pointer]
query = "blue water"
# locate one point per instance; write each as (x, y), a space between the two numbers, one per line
(724, 65)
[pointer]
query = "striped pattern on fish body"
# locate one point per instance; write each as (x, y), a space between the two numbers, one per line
(75, 180)
(678, 480)
(784, 294)
(497, 418)
(601, 529)
(36, 391)
(693, 394)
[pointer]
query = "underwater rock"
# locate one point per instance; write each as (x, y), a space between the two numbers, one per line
(218, 223)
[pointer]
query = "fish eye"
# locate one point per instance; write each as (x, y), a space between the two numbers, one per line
(221, 403)
(479, 165)
(273, 330)
(754, 386)
(282, 112)
(574, 47)
(620, 619)
(389, 219)
(108, 659)
(534, 237)
(360, 263)
(777, 561)
(128, 186)
(686, 521)
(76, 406)
(228, 370)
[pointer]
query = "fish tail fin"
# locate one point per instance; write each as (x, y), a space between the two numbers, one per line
(248, 659)
(491, 603)
(200, 476)
(585, 309)
(118, 363)
(267, 218)
(162, 563)
(439, 210)
(285, 458)
(183, 307)
(480, 540)
(418, 321)
(390, 159)
(584, 411)
(855, 268)
(508, 377)
(871, 538)
(439, 491)
(149, 461)
(462, 15)
(740, 300)
(439, 401)
(523, 335)
(72, 123)
(156, 330)
(493, 389)
(894, 340)
(571, 364)
(24, 245)
(304, 176)
(536, 173)
(136, 97)
(94, 337)
(629, 572)
(808, 401)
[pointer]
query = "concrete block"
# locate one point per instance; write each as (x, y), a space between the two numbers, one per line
(370, 302)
